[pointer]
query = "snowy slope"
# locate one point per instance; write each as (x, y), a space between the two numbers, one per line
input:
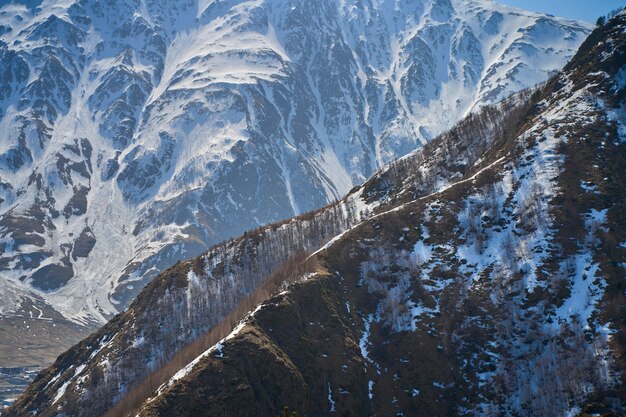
(139, 133)
(481, 274)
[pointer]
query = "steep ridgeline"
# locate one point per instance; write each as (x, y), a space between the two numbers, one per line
(136, 133)
(192, 299)
(480, 275)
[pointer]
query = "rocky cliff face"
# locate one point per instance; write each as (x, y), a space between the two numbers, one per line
(480, 275)
(138, 133)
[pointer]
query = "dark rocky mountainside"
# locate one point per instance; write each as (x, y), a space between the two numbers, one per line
(501, 295)
(136, 133)
(480, 275)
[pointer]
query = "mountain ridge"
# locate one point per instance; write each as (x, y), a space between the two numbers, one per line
(591, 97)
(143, 128)
(490, 260)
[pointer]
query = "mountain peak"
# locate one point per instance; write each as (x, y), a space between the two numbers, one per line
(455, 281)
(226, 116)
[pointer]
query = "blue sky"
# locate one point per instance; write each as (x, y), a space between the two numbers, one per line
(588, 10)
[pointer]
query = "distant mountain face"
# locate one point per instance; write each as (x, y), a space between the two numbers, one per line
(482, 274)
(137, 133)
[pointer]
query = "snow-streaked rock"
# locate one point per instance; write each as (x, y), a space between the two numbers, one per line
(139, 133)
(483, 274)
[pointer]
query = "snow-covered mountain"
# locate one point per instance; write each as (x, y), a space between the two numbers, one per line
(482, 274)
(139, 132)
